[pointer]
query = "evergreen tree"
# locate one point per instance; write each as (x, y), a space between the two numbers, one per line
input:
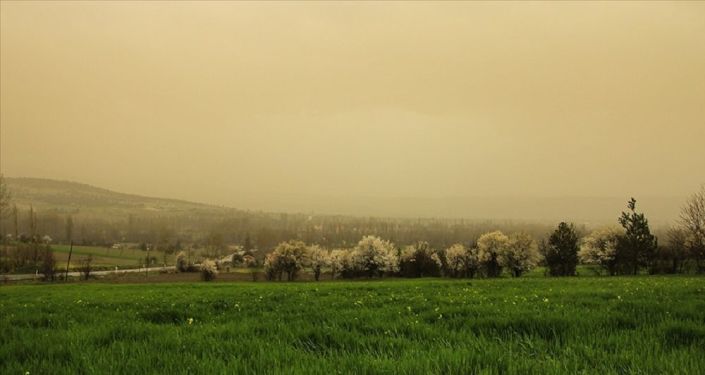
(561, 252)
(638, 244)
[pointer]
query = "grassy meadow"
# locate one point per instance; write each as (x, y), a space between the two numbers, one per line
(106, 257)
(599, 325)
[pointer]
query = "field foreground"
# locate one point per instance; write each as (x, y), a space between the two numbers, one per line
(632, 325)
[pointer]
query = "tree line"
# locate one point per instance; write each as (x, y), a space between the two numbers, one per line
(454, 248)
(628, 248)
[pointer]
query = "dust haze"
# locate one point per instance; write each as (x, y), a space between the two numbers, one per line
(370, 109)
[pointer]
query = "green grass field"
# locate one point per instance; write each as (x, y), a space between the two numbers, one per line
(599, 325)
(106, 257)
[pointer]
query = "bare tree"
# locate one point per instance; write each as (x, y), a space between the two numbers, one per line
(692, 219)
(48, 266)
(4, 202)
(85, 266)
(15, 221)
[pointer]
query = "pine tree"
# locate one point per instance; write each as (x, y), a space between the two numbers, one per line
(638, 244)
(561, 253)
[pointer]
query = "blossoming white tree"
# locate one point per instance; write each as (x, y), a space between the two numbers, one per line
(520, 254)
(288, 257)
(461, 261)
(419, 260)
(375, 256)
(317, 259)
(209, 270)
(338, 261)
(181, 262)
(600, 247)
(489, 246)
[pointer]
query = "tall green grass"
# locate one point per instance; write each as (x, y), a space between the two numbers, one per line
(647, 325)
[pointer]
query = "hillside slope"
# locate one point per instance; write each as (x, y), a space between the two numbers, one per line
(66, 196)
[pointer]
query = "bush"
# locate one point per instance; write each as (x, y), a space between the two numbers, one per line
(209, 270)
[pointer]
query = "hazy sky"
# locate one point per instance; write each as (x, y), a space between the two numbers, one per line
(242, 103)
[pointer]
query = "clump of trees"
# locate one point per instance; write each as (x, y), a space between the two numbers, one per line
(623, 250)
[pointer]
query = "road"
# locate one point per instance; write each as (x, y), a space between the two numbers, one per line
(32, 276)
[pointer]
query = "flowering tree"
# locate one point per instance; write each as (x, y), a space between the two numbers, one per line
(272, 266)
(208, 270)
(288, 257)
(420, 260)
(181, 262)
(489, 246)
(461, 261)
(338, 260)
(374, 256)
(317, 259)
(601, 247)
(520, 254)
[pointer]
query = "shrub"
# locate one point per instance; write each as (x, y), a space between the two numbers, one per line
(209, 270)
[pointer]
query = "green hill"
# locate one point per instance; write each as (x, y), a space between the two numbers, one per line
(72, 197)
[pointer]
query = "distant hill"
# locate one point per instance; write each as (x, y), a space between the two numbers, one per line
(73, 197)
(65, 197)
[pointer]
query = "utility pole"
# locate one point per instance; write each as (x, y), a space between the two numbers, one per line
(66, 277)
